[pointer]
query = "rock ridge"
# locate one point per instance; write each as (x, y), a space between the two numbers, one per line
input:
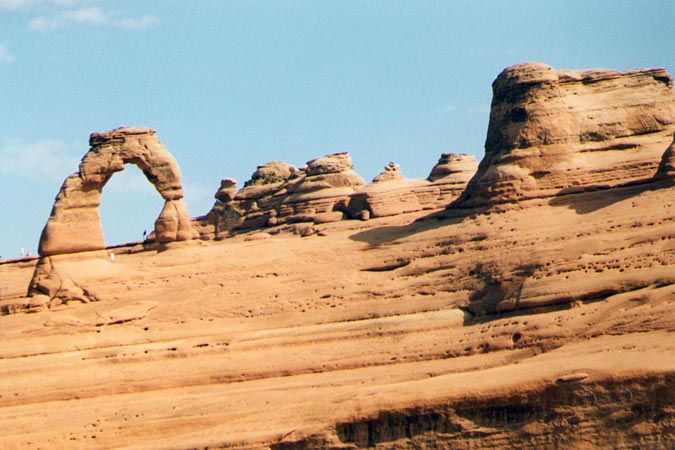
(328, 189)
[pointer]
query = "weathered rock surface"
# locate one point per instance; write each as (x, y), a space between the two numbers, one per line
(74, 224)
(544, 326)
(554, 132)
(457, 167)
(364, 337)
(392, 171)
(327, 189)
(391, 193)
(278, 193)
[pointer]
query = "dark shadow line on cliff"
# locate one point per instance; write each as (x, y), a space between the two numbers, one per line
(389, 234)
(593, 198)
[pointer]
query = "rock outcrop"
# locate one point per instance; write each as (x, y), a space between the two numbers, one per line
(327, 189)
(392, 171)
(391, 193)
(278, 193)
(553, 132)
(74, 225)
(458, 167)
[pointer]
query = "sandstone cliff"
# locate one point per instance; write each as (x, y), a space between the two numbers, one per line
(554, 132)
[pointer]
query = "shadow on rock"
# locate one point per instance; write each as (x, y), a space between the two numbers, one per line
(388, 234)
(593, 198)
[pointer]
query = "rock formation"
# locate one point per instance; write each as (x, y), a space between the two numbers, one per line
(327, 189)
(278, 193)
(552, 132)
(74, 224)
(454, 167)
(391, 193)
(544, 326)
(392, 171)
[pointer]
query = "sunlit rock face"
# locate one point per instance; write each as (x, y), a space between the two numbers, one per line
(553, 132)
(391, 193)
(74, 224)
(279, 193)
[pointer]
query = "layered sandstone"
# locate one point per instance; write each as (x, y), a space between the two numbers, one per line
(544, 326)
(74, 225)
(278, 193)
(391, 193)
(392, 171)
(553, 132)
(535, 327)
(328, 189)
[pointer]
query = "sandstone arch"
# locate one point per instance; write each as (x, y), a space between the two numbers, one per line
(74, 224)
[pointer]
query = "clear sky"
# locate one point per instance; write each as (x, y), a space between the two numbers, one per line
(229, 85)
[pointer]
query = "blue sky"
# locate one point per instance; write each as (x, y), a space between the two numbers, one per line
(229, 85)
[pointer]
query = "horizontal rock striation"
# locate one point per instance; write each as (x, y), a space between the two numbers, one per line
(554, 132)
(278, 193)
(327, 189)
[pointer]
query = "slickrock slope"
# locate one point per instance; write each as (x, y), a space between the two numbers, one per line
(553, 132)
(363, 335)
(549, 325)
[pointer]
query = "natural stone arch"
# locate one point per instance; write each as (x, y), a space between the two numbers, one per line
(74, 224)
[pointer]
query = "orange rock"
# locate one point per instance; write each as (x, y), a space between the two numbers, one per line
(552, 132)
(74, 224)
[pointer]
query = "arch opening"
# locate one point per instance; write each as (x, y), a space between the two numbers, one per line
(129, 206)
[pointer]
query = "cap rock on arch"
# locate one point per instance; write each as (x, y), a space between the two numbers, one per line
(74, 224)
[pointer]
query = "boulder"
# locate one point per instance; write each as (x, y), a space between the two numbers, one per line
(227, 191)
(272, 172)
(392, 171)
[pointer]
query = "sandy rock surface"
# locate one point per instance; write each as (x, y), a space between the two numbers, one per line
(535, 311)
(472, 330)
